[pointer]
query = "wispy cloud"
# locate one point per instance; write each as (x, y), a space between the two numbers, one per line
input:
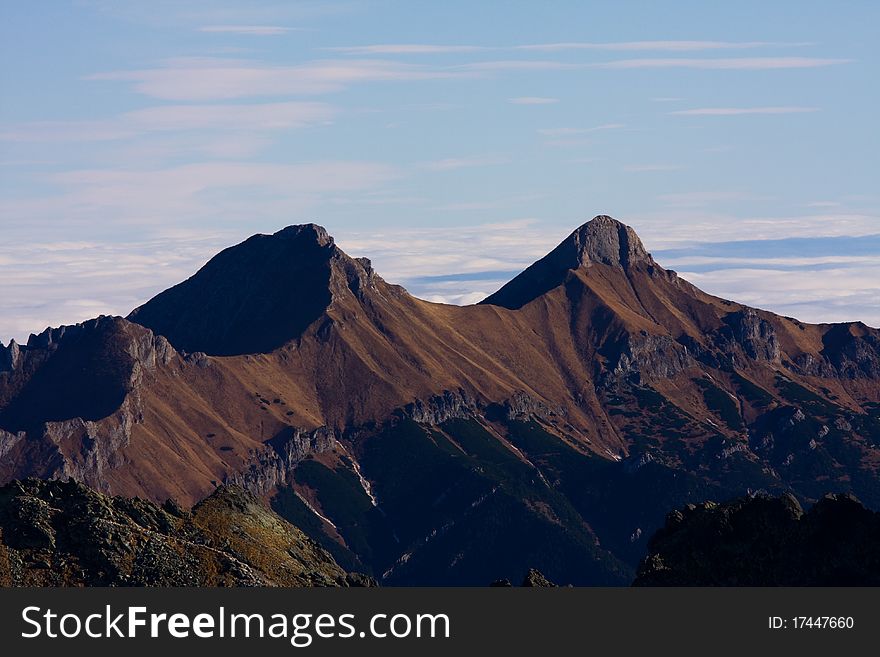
(508, 201)
(639, 168)
(699, 199)
(406, 49)
(735, 111)
(193, 178)
(688, 223)
(466, 264)
(196, 120)
(567, 132)
(451, 163)
(79, 280)
(729, 63)
(118, 203)
(656, 46)
(517, 65)
(659, 46)
(249, 30)
(262, 116)
(461, 265)
(202, 79)
(833, 294)
(532, 100)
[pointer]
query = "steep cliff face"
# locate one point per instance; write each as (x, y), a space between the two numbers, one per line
(54, 533)
(582, 401)
(74, 397)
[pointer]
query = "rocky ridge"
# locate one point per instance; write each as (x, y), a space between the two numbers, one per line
(55, 533)
(766, 541)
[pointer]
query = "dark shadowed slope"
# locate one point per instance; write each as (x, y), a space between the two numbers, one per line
(765, 541)
(253, 297)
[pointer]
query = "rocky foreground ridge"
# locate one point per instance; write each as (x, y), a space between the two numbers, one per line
(766, 541)
(55, 533)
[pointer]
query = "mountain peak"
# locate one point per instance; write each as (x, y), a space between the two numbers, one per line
(605, 240)
(306, 232)
(253, 297)
(602, 240)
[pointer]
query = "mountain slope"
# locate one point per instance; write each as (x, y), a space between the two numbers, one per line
(64, 534)
(555, 423)
(764, 541)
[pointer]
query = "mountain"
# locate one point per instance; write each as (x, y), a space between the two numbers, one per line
(552, 426)
(255, 297)
(766, 541)
(603, 241)
(56, 533)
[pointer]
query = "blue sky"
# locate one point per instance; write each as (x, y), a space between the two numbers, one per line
(452, 142)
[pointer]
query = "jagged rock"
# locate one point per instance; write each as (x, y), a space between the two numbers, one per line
(652, 357)
(602, 240)
(199, 359)
(534, 579)
(439, 408)
(522, 405)
(766, 541)
(636, 463)
(360, 581)
(273, 466)
(797, 416)
(173, 508)
(842, 424)
(853, 350)
(8, 441)
(55, 533)
(754, 334)
(9, 356)
(101, 365)
(729, 450)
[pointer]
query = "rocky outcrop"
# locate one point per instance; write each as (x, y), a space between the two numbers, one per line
(8, 441)
(439, 408)
(766, 541)
(55, 533)
(651, 357)
(755, 335)
(522, 405)
(535, 579)
(602, 240)
(273, 466)
(9, 356)
(76, 398)
(850, 351)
